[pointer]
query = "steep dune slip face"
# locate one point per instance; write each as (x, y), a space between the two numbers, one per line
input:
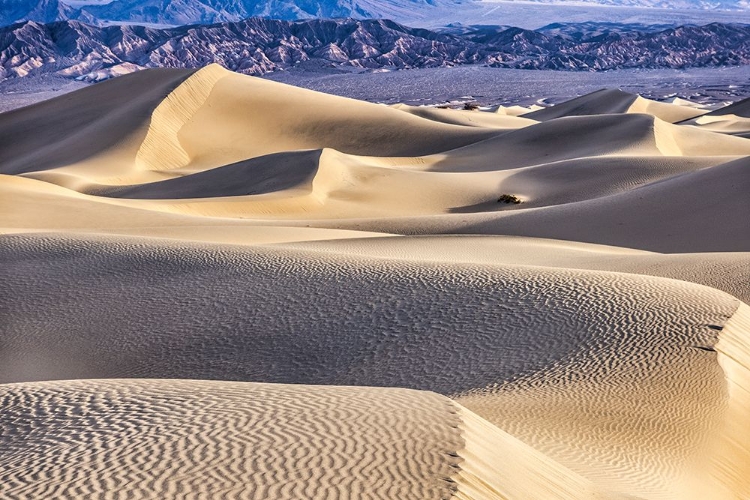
(108, 121)
(218, 117)
(177, 247)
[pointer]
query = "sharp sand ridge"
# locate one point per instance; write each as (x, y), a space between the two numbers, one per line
(511, 303)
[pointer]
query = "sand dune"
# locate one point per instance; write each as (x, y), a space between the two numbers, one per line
(260, 175)
(588, 136)
(678, 101)
(171, 226)
(733, 119)
(707, 210)
(244, 440)
(607, 101)
(149, 438)
(218, 117)
(505, 120)
(517, 110)
(472, 331)
(740, 108)
(725, 124)
(107, 120)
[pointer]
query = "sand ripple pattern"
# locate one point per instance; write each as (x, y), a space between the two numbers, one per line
(120, 439)
(611, 374)
(164, 309)
(573, 375)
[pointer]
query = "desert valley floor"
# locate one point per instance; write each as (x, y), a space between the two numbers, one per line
(218, 286)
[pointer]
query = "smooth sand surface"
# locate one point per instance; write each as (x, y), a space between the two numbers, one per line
(616, 101)
(733, 119)
(490, 304)
(507, 119)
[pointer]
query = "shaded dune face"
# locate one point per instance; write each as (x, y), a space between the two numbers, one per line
(265, 174)
(469, 326)
(470, 304)
(72, 128)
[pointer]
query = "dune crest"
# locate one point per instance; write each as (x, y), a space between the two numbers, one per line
(161, 148)
(487, 473)
(731, 466)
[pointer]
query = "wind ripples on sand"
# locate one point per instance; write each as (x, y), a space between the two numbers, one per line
(178, 225)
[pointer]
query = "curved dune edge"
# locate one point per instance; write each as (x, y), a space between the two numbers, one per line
(161, 148)
(669, 112)
(731, 459)
(147, 437)
(487, 472)
(498, 466)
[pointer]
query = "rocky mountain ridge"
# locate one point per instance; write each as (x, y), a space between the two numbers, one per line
(257, 46)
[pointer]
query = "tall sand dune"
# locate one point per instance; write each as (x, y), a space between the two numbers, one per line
(107, 120)
(217, 117)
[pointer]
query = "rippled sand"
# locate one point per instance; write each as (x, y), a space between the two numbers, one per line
(179, 247)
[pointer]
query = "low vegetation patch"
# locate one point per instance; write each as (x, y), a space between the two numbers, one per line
(509, 199)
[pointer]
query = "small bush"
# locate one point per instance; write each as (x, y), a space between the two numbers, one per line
(509, 199)
(471, 106)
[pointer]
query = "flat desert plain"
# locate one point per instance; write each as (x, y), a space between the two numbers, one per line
(218, 286)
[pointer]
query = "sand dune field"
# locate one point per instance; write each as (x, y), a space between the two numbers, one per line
(217, 286)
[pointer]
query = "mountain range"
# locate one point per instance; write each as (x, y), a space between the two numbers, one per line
(182, 12)
(257, 46)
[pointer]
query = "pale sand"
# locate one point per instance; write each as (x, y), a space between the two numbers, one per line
(470, 331)
(733, 119)
(506, 120)
(517, 110)
(727, 124)
(207, 225)
(607, 101)
(167, 438)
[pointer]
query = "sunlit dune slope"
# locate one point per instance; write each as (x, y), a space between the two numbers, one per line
(615, 101)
